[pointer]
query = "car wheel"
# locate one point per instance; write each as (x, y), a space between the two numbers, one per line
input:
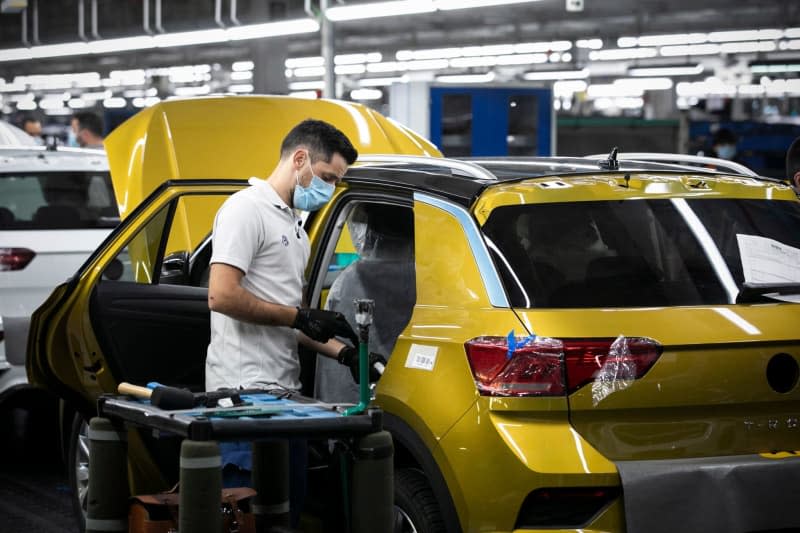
(78, 468)
(416, 510)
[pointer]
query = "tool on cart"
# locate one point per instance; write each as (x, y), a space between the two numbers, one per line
(364, 311)
(174, 398)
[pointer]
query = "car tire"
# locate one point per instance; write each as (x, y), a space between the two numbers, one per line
(78, 467)
(416, 509)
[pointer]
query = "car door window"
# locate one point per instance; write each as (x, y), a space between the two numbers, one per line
(165, 249)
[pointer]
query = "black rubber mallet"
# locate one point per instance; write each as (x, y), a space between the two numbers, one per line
(167, 398)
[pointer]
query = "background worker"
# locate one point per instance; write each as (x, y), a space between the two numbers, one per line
(260, 251)
(793, 165)
(87, 129)
(33, 127)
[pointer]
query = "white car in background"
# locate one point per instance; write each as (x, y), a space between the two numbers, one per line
(56, 207)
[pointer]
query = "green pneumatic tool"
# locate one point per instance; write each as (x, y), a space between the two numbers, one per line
(364, 311)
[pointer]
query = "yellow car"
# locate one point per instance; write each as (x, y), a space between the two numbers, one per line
(599, 344)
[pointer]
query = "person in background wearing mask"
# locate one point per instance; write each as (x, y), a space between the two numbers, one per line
(724, 145)
(793, 165)
(86, 131)
(33, 127)
(260, 251)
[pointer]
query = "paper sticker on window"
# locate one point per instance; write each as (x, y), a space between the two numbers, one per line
(422, 357)
(768, 261)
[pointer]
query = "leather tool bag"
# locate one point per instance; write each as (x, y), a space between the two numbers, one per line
(158, 513)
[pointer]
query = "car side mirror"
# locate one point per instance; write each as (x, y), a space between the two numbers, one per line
(114, 270)
(175, 269)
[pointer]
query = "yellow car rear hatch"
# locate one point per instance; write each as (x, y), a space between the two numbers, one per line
(657, 262)
(234, 137)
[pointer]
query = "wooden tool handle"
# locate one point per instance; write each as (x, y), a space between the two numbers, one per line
(134, 390)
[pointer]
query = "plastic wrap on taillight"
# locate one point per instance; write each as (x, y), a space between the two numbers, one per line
(15, 258)
(532, 370)
(586, 357)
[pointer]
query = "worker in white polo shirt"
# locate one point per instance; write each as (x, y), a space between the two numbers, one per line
(260, 251)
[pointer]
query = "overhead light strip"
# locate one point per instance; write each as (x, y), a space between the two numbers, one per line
(164, 40)
(408, 7)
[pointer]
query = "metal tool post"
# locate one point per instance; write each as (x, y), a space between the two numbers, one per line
(364, 311)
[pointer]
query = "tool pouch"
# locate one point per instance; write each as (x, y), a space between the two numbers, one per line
(158, 513)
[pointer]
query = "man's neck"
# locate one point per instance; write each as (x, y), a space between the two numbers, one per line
(282, 180)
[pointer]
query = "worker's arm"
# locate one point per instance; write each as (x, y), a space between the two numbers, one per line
(227, 296)
(329, 349)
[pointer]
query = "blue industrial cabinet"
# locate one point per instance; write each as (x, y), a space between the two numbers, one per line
(492, 121)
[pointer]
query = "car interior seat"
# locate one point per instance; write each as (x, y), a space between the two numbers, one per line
(384, 273)
(6, 217)
(57, 217)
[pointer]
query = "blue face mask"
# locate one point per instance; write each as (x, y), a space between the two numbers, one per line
(726, 151)
(314, 196)
(72, 139)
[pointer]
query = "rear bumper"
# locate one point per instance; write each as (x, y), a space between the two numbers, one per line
(733, 493)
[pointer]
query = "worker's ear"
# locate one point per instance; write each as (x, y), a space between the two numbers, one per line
(299, 158)
(796, 181)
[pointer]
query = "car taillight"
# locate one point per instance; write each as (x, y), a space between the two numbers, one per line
(551, 367)
(15, 258)
(533, 370)
(586, 357)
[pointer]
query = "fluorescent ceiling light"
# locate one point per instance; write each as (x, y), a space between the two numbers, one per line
(309, 72)
(242, 75)
(557, 75)
(379, 9)
(593, 44)
(662, 40)
(164, 40)
(744, 35)
(790, 45)
(690, 50)
(467, 78)
(567, 88)
(242, 65)
(612, 90)
(352, 59)
(241, 88)
(743, 48)
(308, 95)
(382, 82)
(546, 46)
(303, 62)
(622, 53)
(192, 91)
(645, 84)
(770, 69)
(791, 33)
(114, 103)
(366, 94)
(667, 71)
(350, 69)
(435, 53)
(466, 4)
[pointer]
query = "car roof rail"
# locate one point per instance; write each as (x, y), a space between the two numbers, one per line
(684, 161)
(471, 170)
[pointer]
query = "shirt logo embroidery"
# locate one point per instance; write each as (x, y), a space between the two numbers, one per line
(284, 240)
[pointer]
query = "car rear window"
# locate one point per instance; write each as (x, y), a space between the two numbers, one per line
(641, 253)
(57, 200)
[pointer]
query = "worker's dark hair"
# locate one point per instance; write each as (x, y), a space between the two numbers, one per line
(322, 140)
(89, 121)
(27, 118)
(724, 136)
(793, 159)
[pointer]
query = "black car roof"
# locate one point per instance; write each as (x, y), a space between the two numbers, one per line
(464, 185)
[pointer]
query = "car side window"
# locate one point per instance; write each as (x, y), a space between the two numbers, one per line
(374, 258)
(170, 248)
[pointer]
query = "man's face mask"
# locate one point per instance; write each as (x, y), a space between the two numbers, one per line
(726, 151)
(313, 197)
(72, 139)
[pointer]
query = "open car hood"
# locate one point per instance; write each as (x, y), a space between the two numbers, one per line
(234, 137)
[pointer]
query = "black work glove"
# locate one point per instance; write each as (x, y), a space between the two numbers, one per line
(348, 356)
(322, 325)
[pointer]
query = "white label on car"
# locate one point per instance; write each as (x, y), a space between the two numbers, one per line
(421, 356)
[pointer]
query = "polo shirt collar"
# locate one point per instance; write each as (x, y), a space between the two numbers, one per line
(270, 193)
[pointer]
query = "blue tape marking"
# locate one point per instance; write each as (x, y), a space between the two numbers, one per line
(513, 345)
